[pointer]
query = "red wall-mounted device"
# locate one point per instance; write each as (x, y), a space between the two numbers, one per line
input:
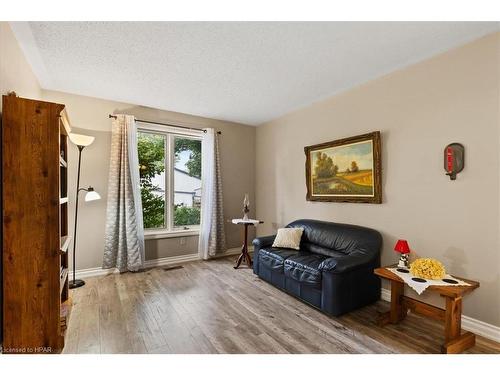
(454, 159)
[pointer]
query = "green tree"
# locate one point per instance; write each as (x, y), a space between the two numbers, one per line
(324, 167)
(335, 169)
(151, 150)
(184, 215)
(188, 215)
(354, 167)
(194, 162)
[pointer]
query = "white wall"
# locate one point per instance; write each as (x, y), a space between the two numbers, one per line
(15, 72)
(453, 97)
(185, 182)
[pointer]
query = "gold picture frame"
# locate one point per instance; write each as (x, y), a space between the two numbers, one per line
(345, 170)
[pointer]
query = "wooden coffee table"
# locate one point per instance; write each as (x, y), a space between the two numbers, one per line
(454, 340)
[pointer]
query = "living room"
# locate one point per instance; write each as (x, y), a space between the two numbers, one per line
(250, 187)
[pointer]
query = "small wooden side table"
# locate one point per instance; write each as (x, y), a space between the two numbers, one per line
(245, 256)
(454, 340)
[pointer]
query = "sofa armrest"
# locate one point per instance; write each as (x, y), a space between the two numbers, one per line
(260, 242)
(349, 262)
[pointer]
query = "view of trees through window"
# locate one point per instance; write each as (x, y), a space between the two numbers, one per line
(187, 181)
(186, 204)
(151, 150)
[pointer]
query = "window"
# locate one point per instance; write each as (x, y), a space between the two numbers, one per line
(170, 177)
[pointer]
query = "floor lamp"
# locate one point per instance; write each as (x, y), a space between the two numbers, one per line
(81, 141)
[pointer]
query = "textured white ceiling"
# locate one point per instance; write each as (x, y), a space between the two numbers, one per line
(248, 72)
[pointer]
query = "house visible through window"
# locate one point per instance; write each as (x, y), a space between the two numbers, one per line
(170, 176)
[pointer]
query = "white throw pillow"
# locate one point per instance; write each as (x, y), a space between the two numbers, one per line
(289, 238)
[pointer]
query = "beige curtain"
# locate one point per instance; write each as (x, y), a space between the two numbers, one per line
(124, 241)
(212, 238)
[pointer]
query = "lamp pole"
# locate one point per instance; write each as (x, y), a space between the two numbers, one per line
(81, 141)
(76, 283)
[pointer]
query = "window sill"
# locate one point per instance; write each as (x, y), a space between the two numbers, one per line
(158, 234)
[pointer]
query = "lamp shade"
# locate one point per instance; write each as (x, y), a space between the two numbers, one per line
(80, 139)
(92, 195)
(402, 247)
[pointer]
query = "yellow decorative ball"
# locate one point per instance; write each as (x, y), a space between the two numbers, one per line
(427, 268)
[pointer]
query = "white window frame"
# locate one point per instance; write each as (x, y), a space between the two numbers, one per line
(170, 132)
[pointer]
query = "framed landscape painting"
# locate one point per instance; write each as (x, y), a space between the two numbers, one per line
(346, 170)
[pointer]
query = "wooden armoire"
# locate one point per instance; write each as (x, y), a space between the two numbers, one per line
(35, 236)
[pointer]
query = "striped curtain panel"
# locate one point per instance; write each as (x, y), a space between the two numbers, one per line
(212, 238)
(124, 241)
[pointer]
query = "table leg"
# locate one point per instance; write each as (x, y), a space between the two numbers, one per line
(244, 256)
(454, 341)
(238, 262)
(248, 259)
(397, 311)
(453, 318)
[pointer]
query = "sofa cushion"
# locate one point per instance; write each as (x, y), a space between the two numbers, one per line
(304, 268)
(288, 238)
(344, 238)
(274, 257)
(307, 246)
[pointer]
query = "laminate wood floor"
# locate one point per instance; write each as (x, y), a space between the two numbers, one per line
(208, 307)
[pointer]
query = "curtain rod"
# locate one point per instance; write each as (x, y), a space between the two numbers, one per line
(175, 126)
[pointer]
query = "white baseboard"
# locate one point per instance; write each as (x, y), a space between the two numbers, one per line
(92, 272)
(470, 324)
(168, 261)
(481, 328)
(160, 262)
(98, 271)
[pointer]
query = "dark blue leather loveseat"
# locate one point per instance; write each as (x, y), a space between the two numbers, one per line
(333, 270)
